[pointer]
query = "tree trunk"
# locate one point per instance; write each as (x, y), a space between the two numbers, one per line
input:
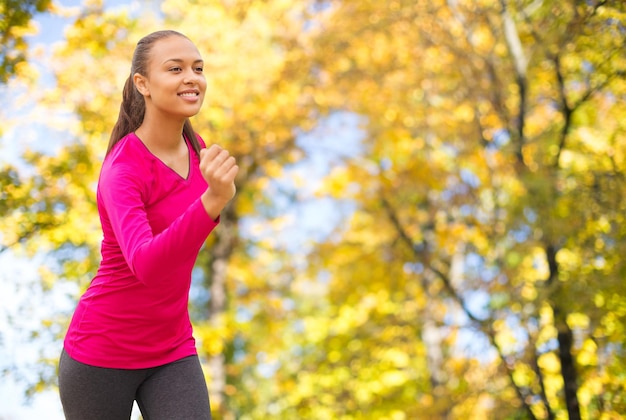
(566, 342)
(568, 367)
(220, 252)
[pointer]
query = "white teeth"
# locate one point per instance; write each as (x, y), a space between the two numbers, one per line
(188, 94)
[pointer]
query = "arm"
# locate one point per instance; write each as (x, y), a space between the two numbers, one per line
(150, 256)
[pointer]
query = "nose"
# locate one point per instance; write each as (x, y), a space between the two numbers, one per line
(191, 77)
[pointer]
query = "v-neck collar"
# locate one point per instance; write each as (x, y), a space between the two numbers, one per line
(169, 168)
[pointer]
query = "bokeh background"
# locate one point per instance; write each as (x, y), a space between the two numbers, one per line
(431, 211)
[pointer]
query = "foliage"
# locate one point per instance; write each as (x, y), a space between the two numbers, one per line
(15, 23)
(478, 273)
(490, 165)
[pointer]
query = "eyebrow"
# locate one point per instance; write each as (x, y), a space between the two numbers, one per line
(180, 60)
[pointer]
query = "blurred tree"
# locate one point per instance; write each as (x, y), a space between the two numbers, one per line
(16, 22)
(15, 191)
(490, 204)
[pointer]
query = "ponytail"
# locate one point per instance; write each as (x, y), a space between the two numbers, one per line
(132, 110)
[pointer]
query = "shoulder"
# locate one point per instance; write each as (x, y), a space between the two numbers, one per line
(129, 160)
(128, 150)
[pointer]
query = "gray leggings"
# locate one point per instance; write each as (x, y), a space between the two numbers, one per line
(169, 392)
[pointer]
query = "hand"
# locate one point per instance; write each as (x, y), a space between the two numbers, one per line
(219, 170)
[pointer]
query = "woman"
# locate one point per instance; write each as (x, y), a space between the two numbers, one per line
(159, 196)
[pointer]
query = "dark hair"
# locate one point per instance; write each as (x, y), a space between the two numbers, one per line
(133, 107)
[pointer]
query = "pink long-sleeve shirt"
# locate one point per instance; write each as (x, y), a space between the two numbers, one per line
(134, 314)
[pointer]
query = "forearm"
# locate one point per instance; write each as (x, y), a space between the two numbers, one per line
(179, 242)
(213, 204)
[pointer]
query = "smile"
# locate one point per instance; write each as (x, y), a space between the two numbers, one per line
(189, 94)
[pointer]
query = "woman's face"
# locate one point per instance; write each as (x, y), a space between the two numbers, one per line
(175, 83)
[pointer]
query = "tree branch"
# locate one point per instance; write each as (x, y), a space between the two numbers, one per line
(544, 396)
(420, 252)
(565, 108)
(520, 65)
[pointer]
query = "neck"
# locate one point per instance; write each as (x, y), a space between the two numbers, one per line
(162, 135)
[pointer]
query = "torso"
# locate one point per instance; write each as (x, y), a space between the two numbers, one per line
(122, 322)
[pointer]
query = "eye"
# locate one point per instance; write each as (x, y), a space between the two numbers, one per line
(175, 69)
(199, 69)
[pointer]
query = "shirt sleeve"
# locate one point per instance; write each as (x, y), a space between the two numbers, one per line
(150, 256)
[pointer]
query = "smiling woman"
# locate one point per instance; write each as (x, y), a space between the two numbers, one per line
(173, 88)
(159, 196)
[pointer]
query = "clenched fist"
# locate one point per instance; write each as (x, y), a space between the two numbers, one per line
(219, 170)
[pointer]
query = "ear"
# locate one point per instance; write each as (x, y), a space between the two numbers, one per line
(141, 84)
